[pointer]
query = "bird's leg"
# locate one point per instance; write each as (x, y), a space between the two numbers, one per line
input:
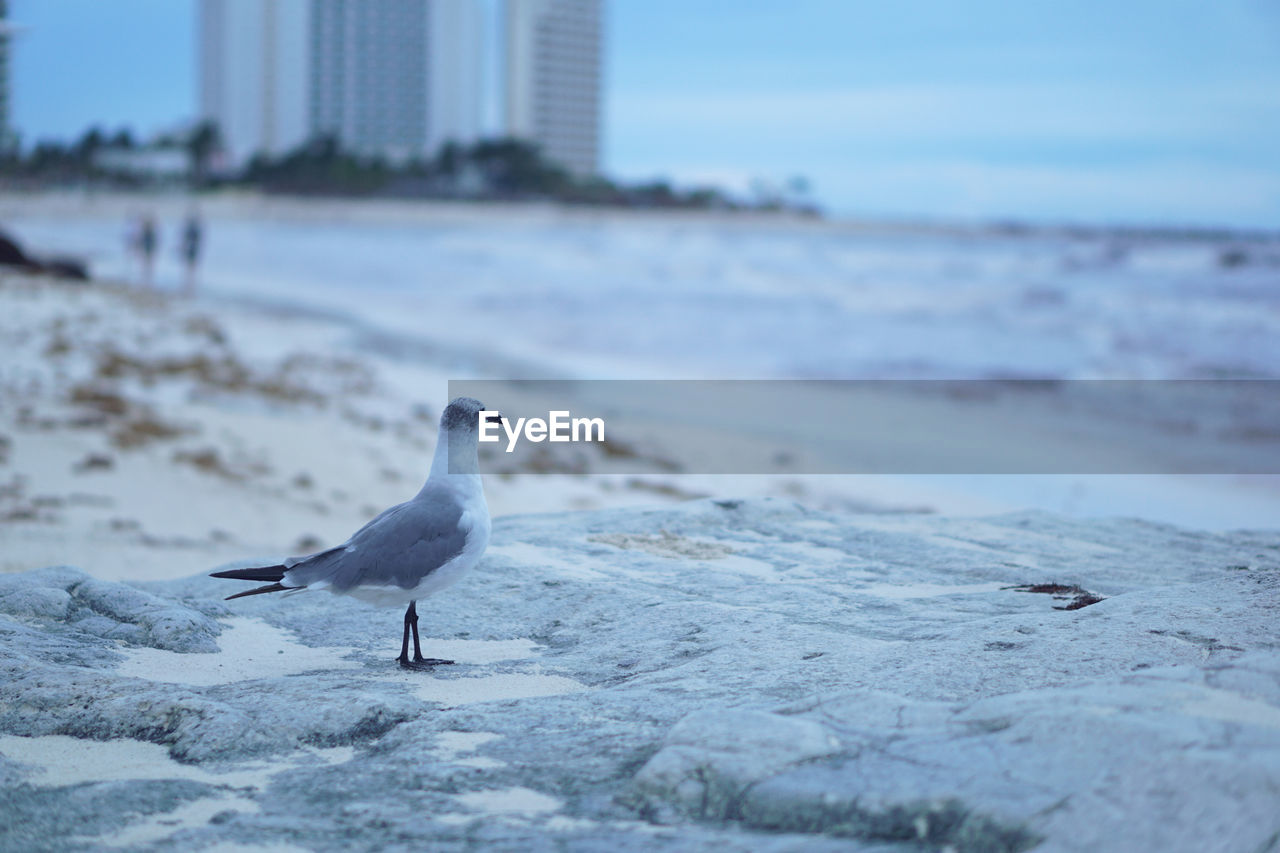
(412, 616)
(418, 662)
(404, 661)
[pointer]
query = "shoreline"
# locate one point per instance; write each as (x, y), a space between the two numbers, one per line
(392, 210)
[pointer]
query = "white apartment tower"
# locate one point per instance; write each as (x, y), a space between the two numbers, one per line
(391, 77)
(553, 75)
(254, 59)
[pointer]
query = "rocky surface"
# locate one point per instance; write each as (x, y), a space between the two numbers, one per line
(719, 675)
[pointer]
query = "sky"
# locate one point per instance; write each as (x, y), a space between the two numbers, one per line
(1140, 112)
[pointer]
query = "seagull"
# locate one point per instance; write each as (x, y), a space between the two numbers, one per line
(411, 550)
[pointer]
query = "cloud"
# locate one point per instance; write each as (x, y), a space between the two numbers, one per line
(1005, 112)
(1199, 154)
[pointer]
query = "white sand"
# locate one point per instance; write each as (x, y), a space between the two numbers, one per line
(249, 649)
(456, 748)
(499, 687)
(59, 760)
(187, 816)
(480, 651)
(252, 649)
(523, 801)
(249, 475)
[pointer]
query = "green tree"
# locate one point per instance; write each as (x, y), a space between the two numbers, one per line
(203, 142)
(516, 167)
(123, 138)
(449, 160)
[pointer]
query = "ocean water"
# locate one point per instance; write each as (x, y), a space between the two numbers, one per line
(627, 297)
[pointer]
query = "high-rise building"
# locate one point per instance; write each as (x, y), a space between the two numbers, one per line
(396, 77)
(392, 77)
(553, 77)
(254, 58)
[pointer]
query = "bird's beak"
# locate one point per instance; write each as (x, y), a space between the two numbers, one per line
(493, 419)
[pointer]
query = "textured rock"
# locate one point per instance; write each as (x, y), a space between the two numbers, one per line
(710, 759)
(112, 611)
(721, 675)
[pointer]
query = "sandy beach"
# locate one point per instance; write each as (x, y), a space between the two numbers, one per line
(156, 437)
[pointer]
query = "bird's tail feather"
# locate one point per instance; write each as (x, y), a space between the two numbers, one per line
(274, 587)
(262, 573)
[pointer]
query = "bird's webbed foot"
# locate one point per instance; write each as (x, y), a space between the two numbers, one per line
(420, 663)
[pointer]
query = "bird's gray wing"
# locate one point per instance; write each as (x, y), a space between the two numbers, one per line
(398, 548)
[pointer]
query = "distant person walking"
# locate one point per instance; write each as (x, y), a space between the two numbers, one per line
(192, 235)
(145, 241)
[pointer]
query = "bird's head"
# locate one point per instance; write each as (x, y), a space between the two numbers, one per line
(462, 416)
